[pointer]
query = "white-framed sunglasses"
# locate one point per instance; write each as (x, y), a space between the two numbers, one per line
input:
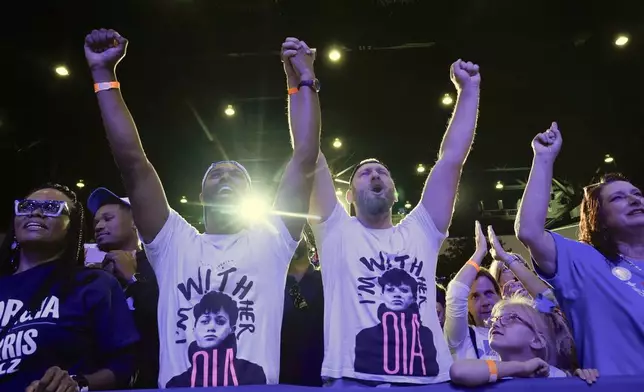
(51, 208)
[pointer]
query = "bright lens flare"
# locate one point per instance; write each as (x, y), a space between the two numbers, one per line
(420, 168)
(609, 159)
(62, 70)
(621, 40)
(335, 55)
(80, 184)
(447, 100)
(499, 185)
(230, 111)
(183, 200)
(408, 205)
(254, 208)
(337, 143)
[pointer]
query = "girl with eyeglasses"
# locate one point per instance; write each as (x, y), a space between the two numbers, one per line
(63, 327)
(530, 342)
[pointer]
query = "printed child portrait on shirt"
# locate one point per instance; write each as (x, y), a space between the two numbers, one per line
(213, 353)
(399, 344)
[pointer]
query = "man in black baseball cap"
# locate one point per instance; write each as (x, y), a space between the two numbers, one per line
(116, 235)
(113, 223)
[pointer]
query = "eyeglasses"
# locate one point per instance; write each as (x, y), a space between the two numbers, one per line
(506, 320)
(298, 299)
(51, 208)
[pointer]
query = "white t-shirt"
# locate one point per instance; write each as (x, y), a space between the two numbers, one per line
(389, 334)
(221, 299)
(465, 350)
(457, 330)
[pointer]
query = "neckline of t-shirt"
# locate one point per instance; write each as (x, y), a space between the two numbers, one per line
(218, 237)
(631, 259)
(372, 229)
(40, 267)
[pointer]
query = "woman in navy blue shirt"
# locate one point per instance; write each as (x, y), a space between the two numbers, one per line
(62, 327)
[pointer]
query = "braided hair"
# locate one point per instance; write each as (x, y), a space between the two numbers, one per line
(72, 258)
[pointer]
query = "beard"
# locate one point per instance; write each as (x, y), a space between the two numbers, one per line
(371, 204)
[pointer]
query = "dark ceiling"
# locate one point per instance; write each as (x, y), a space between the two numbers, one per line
(187, 59)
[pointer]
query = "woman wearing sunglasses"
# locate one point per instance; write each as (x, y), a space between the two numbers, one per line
(63, 327)
(529, 342)
(598, 279)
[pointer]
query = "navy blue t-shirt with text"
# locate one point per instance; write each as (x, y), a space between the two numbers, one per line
(77, 333)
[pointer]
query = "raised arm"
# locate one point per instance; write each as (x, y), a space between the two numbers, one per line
(467, 273)
(531, 220)
(441, 186)
(458, 291)
(103, 50)
(323, 197)
(532, 283)
(294, 192)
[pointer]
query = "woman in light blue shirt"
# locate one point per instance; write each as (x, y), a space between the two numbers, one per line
(598, 279)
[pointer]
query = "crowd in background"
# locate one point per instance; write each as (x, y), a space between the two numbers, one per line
(313, 294)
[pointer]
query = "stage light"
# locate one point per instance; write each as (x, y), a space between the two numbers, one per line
(254, 208)
(80, 184)
(61, 70)
(420, 168)
(183, 200)
(335, 55)
(230, 111)
(609, 159)
(621, 40)
(499, 185)
(408, 205)
(447, 100)
(338, 192)
(337, 143)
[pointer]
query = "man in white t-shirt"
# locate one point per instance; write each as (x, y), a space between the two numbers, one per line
(222, 292)
(381, 325)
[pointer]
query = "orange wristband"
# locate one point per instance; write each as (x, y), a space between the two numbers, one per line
(474, 264)
(292, 90)
(106, 86)
(494, 371)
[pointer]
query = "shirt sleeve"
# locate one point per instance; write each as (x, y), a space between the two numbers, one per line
(420, 218)
(322, 229)
(274, 235)
(456, 322)
(175, 232)
(567, 280)
(111, 318)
